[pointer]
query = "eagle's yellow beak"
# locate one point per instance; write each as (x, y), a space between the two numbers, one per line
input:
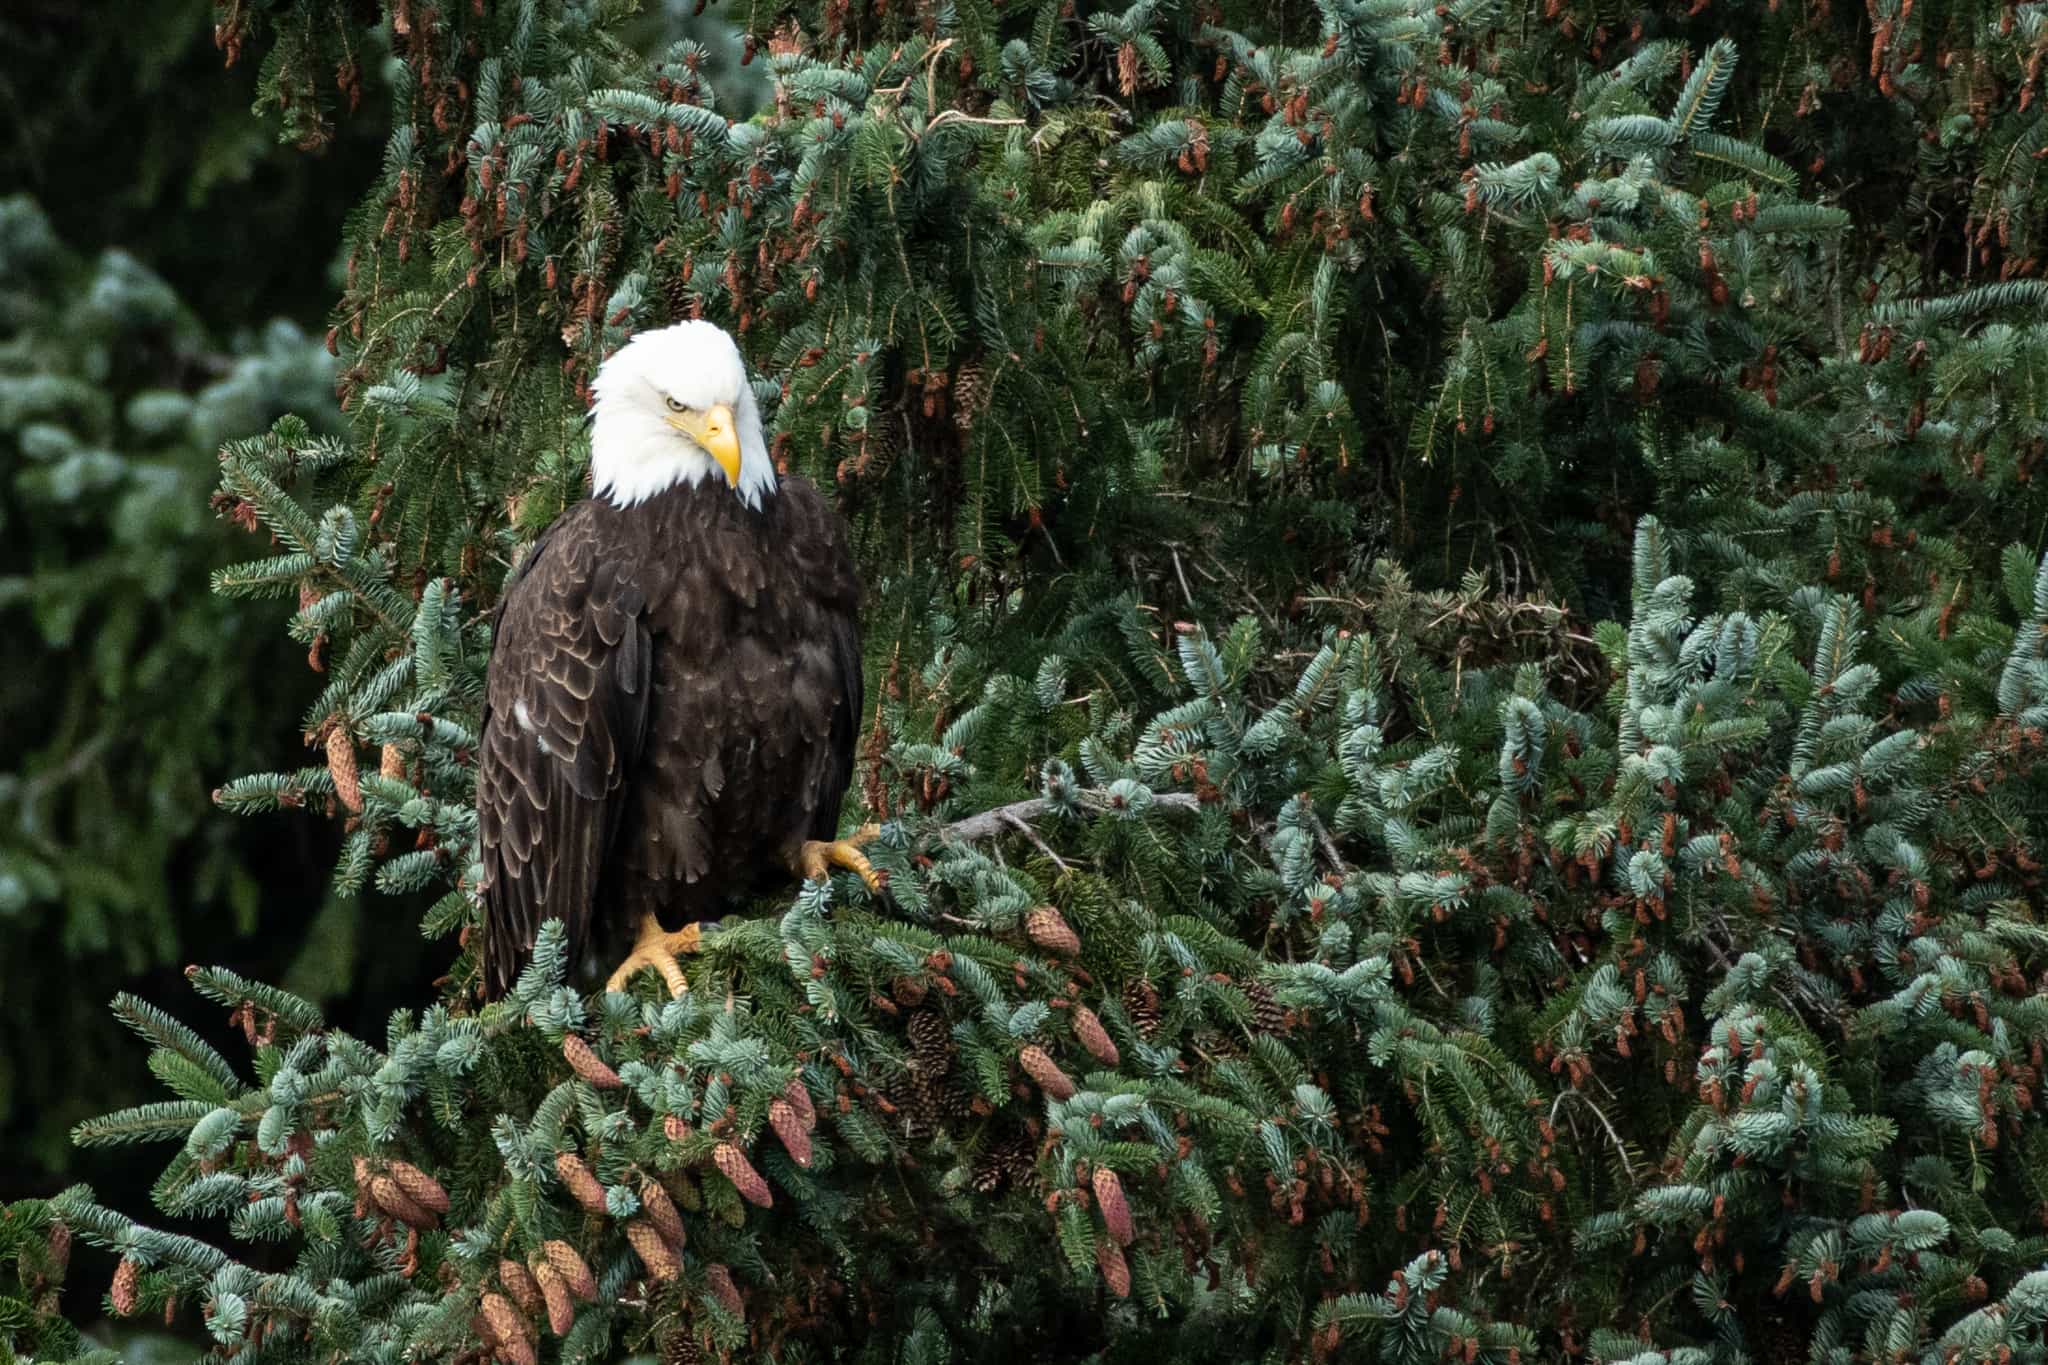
(713, 429)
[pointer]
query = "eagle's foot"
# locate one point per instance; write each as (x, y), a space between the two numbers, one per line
(816, 859)
(657, 948)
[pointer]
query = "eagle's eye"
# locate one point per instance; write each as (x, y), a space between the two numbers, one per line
(673, 405)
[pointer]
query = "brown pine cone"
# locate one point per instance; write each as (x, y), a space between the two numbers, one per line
(1039, 1065)
(554, 1291)
(799, 1099)
(509, 1329)
(520, 1284)
(732, 1163)
(580, 1182)
(419, 1187)
(661, 1211)
(1007, 1160)
(391, 763)
(1268, 1014)
(57, 1246)
(587, 1064)
(567, 1262)
(680, 1348)
(970, 395)
(789, 1126)
(126, 1286)
(341, 765)
(719, 1280)
(388, 1196)
(675, 1128)
(1116, 1214)
(653, 1252)
(1116, 1272)
(1050, 931)
(931, 1042)
(1141, 1003)
(1088, 1028)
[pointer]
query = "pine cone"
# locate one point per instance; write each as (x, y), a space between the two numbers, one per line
(420, 1187)
(970, 395)
(1116, 1214)
(1010, 1159)
(57, 1246)
(675, 1128)
(388, 1196)
(1268, 1014)
(800, 1100)
(680, 1348)
(733, 1165)
(125, 1290)
(520, 1284)
(661, 1211)
(1141, 1003)
(567, 1262)
(1050, 931)
(1041, 1068)
(391, 763)
(554, 1293)
(719, 1280)
(587, 1064)
(1094, 1037)
(581, 1183)
(341, 765)
(509, 1329)
(789, 1126)
(931, 1043)
(653, 1252)
(1116, 1273)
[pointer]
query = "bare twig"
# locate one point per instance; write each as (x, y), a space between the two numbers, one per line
(992, 822)
(1024, 828)
(1620, 1148)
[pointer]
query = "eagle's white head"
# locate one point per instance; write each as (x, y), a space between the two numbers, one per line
(674, 406)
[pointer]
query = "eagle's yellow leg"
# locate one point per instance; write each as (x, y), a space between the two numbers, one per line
(657, 948)
(818, 857)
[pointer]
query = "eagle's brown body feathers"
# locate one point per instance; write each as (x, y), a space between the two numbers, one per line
(671, 709)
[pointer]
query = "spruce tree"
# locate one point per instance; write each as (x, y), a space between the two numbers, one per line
(1306, 936)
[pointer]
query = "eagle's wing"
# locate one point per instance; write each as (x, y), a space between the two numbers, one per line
(565, 710)
(816, 540)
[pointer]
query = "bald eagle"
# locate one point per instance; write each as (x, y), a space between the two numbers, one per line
(675, 683)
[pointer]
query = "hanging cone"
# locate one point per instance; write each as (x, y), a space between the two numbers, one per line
(970, 394)
(661, 1211)
(789, 1126)
(57, 1245)
(800, 1100)
(733, 1165)
(555, 1294)
(509, 1329)
(124, 1292)
(580, 1182)
(1088, 1028)
(520, 1284)
(567, 1262)
(1049, 930)
(674, 1128)
(341, 765)
(1039, 1065)
(391, 763)
(1116, 1272)
(587, 1064)
(719, 1280)
(1141, 1003)
(386, 1194)
(1268, 1014)
(653, 1252)
(1116, 1214)
(420, 1187)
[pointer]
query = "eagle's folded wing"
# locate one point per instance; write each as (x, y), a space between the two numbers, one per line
(565, 711)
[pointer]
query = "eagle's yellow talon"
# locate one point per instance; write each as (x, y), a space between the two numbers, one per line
(657, 948)
(816, 859)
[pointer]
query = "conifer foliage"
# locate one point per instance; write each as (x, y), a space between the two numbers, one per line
(1280, 959)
